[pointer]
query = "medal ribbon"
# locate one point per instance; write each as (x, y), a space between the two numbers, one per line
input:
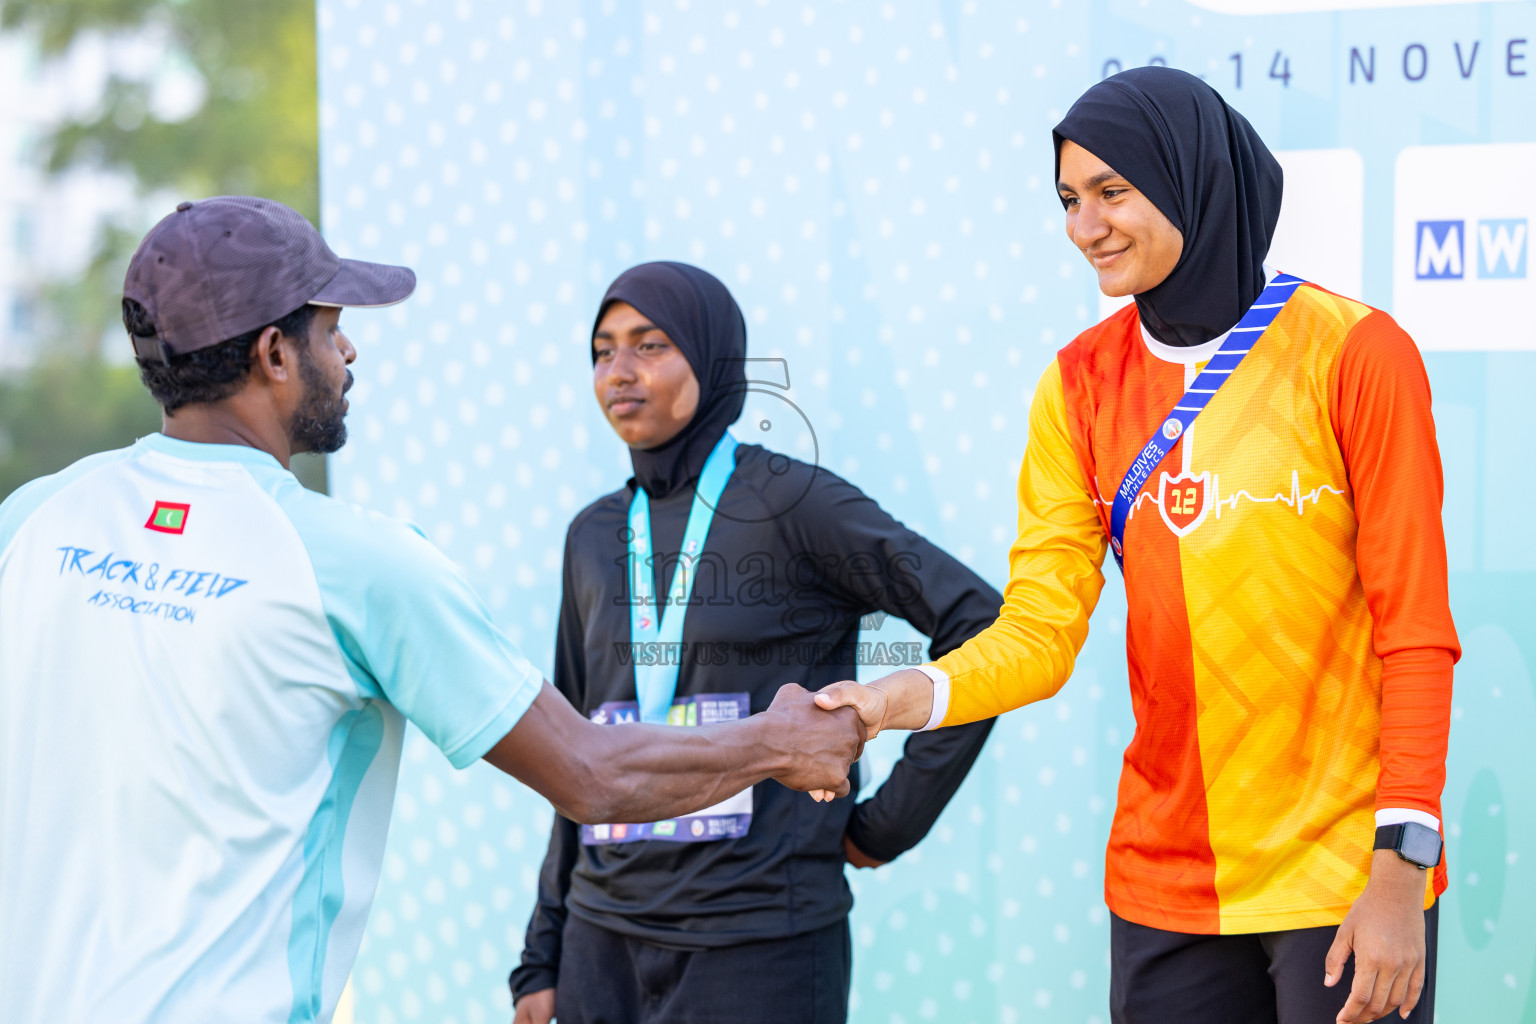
(1240, 341)
(656, 684)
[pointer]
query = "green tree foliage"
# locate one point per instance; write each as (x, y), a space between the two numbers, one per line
(62, 411)
(255, 133)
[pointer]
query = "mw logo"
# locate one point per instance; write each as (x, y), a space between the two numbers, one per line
(1499, 246)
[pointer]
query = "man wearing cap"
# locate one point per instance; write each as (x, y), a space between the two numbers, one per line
(205, 669)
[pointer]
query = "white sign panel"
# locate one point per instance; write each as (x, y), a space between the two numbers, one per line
(1461, 267)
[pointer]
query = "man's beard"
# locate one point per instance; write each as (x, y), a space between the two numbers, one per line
(318, 424)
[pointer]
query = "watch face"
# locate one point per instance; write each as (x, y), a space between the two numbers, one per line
(1420, 844)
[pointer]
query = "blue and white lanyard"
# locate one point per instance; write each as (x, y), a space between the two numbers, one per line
(1217, 372)
(656, 684)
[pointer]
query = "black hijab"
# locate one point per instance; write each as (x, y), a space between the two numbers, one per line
(698, 313)
(1201, 163)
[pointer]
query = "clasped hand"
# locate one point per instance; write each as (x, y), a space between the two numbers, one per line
(818, 746)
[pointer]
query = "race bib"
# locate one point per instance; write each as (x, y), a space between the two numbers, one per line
(728, 819)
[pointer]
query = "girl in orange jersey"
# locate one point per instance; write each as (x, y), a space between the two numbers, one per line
(1260, 453)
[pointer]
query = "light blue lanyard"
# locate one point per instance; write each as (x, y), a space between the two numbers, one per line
(656, 684)
(1217, 372)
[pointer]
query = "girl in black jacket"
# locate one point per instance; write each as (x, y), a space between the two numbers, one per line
(739, 913)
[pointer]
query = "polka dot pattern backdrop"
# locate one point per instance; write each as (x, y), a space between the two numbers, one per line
(873, 182)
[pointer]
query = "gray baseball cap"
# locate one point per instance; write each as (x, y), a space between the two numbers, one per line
(220, 267)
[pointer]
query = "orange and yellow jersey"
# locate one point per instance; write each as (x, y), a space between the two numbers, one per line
(1289, 635)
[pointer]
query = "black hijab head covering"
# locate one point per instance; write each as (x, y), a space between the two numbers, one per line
(1201, 163)
(698, 313)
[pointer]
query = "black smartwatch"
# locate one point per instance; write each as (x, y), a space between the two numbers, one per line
(1415, 843)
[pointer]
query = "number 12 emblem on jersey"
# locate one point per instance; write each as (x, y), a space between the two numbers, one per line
(168, 517)
(1184, 500)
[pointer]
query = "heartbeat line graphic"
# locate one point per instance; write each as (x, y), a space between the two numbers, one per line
(1193, 501)
(1296, 499)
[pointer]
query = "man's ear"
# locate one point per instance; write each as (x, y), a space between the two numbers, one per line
(273, 358)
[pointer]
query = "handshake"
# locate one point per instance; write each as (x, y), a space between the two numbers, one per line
(641, 772)
(816, 729)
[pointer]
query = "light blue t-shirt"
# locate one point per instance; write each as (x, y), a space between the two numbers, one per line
(205, 672)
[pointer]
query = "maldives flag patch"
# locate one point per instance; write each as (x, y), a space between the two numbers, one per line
(168, 517)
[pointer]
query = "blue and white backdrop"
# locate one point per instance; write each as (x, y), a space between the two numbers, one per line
(873, 182)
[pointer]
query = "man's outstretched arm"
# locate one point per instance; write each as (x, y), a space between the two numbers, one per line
(619, 773)
(413, 632)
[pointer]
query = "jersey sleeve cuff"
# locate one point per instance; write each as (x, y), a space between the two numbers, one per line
(467, 751)
(1403, 815)
(940, 680)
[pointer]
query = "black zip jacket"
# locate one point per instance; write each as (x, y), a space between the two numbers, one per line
(794, 559)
